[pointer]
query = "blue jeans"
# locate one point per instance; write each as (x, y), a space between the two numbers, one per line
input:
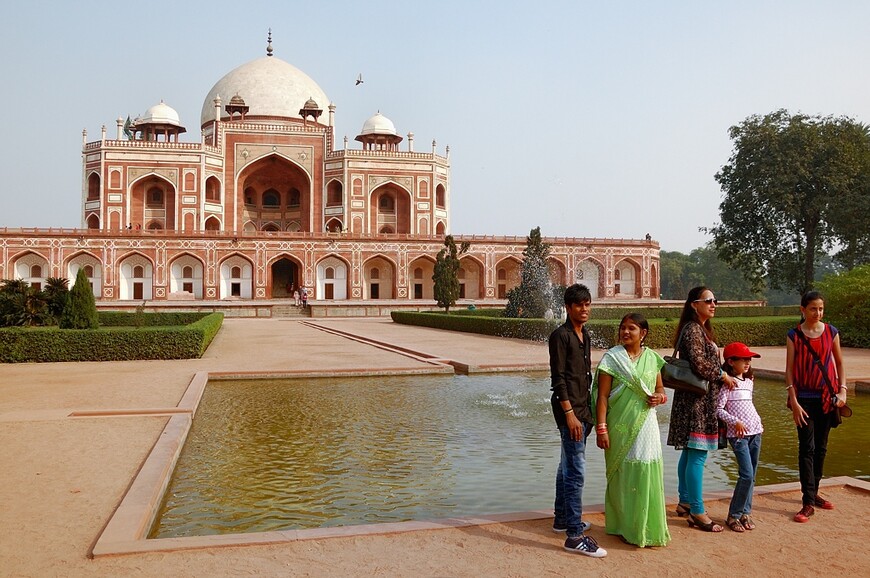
(568, 508)
(690, 478)
(746, 451)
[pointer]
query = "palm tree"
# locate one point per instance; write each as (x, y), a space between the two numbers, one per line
(20, 304)
(55, 293)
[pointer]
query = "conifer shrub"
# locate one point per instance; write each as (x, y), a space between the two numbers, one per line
(80, 309)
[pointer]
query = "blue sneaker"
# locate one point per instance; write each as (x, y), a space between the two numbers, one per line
(559, 528)
(585, 545)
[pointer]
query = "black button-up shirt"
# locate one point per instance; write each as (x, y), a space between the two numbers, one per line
(570, 372)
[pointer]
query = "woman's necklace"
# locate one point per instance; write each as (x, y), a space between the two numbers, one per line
(634, 357)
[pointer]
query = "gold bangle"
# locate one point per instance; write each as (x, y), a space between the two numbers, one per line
(567, 411)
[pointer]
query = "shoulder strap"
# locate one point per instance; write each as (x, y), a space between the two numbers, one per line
(815, 356)
(679, 340)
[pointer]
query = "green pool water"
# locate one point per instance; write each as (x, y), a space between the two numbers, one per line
(274, 455)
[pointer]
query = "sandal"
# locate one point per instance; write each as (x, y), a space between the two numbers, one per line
(683, 510)
(735, 524)
(747, 522)
(710, 526)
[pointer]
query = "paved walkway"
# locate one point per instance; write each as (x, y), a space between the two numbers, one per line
(63, 477)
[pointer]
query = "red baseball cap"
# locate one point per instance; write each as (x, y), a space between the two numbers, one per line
(738, 350)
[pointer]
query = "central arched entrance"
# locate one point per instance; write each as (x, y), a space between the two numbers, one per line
(285, 278)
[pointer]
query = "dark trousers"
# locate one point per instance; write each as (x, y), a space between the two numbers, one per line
(812, 447)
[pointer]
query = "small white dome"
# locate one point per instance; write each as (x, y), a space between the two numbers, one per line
(378, 124)
(160, 114)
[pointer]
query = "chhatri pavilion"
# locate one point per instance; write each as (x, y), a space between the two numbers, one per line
(265, 202)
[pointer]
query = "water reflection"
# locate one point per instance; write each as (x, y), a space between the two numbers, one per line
(269, 455)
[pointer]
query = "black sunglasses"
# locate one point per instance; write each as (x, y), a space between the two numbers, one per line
(707, 301)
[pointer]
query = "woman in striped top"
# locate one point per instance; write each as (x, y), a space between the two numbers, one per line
(810, 398)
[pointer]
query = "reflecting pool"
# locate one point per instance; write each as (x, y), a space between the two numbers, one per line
(288, 454)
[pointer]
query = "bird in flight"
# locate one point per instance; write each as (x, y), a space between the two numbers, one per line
(359, 80)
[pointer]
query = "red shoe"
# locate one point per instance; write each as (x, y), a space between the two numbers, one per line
(804, 514)
(823, 503)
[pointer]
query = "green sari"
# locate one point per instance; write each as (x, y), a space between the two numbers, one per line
(634, 503)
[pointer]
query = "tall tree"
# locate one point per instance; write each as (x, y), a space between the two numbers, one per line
(81, 310)
(446, 276)
(533, 297)
(784, 190)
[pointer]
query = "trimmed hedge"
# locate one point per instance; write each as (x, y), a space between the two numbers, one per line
(669, 312)
(755, 331)
(51, 344)
(157, 319)
(534, 329)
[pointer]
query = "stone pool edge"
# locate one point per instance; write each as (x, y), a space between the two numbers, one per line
(126, 530)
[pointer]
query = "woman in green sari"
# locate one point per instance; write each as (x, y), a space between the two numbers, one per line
(628, 387)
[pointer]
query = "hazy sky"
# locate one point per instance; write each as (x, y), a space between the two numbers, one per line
(588, 119)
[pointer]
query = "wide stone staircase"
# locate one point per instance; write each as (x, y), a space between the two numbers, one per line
(284, 311)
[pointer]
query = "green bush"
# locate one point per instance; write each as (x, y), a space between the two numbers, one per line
(533, 329)
(673, 312)
(142, 319)
(80, 309)
(49, 344)
(847, 305)
(754, 331)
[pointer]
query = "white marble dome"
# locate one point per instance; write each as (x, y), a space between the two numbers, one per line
(378, 124)
(269, 86)
(160, 113)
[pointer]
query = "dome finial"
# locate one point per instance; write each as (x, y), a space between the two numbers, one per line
(269, 45)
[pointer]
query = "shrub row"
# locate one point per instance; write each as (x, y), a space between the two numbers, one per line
(534, 329)
(617, 312)
(674, 312)
(50, 344)
(157, 319)
(755, 331)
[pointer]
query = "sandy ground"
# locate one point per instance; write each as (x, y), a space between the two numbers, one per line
(62, 477)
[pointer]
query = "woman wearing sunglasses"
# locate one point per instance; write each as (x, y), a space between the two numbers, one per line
(694, 428)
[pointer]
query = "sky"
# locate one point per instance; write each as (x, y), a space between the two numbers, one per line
(587, 119)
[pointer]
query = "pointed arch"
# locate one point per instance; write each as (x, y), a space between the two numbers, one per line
(626, 278)
(473, 285)
(284, 275)
(332, 278)
(135, 276)
(590, 272)
(390, 208)
(379, 277)
(212, 223)
(153, 199)
(508, 272)
(93, 267)
(236, 277)
(419, 275)
(31, 267)
(558, 271)
(94, 188)
(274, 187)
(334, 193)
(186, 275)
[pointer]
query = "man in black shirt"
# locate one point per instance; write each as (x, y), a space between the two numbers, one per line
(571, 380)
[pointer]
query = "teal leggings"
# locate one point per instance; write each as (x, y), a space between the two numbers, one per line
(690, 477)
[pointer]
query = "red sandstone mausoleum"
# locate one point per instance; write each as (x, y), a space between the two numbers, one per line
(265, 201)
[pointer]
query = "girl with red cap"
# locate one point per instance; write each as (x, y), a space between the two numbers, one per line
(735, 408)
